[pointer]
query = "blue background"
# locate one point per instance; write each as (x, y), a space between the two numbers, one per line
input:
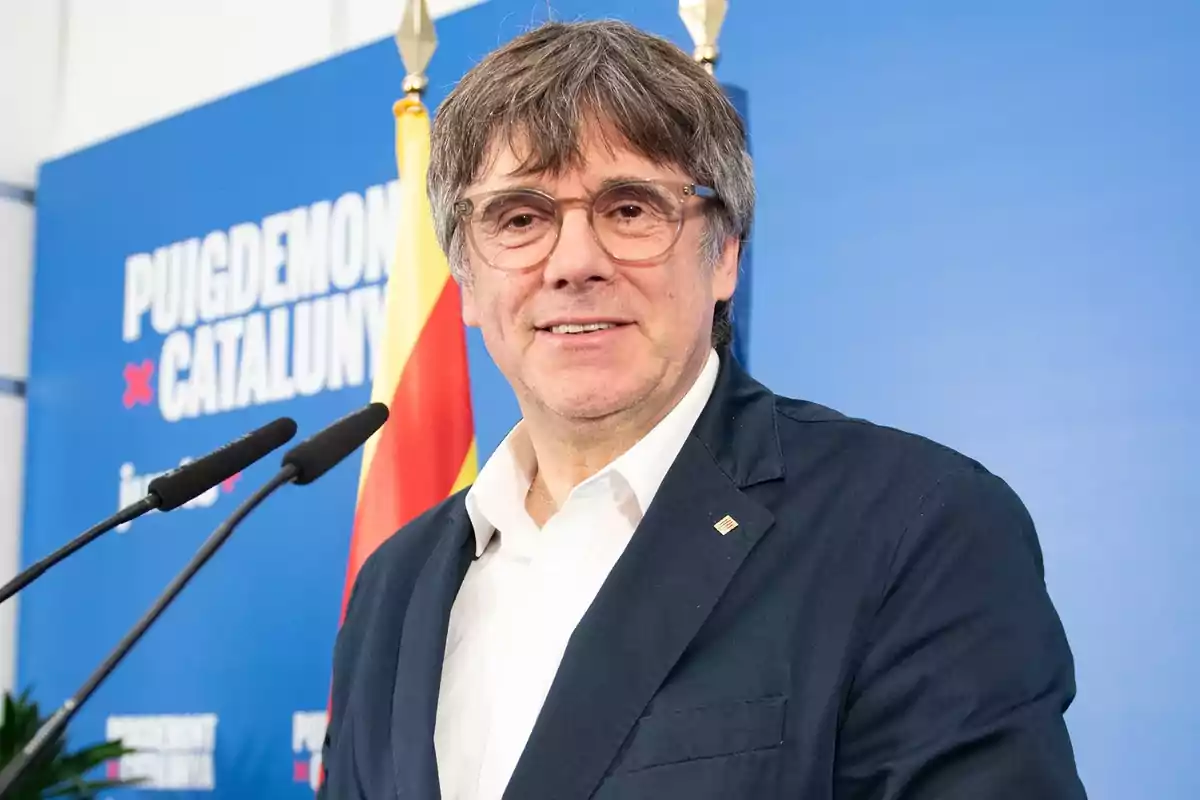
(976, 221)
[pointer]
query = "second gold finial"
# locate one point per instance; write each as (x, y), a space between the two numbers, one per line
(417, 41)
(703, 19)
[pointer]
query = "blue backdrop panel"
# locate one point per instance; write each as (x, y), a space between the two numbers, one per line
(249, 641)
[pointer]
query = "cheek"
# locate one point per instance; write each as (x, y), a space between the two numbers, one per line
(499, 306)
(687, 296)
(672, 299)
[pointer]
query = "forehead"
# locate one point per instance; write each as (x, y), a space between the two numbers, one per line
(600, 158)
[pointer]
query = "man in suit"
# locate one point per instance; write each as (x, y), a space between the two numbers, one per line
(668, 581)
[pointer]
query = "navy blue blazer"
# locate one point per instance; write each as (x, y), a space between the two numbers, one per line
(875, 627)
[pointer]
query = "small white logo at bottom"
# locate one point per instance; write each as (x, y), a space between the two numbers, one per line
(173, 751)
(308, 737)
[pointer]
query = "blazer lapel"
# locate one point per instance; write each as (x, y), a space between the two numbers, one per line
(419, 663)
(658, 595)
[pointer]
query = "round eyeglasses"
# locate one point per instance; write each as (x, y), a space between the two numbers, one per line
(632, 221)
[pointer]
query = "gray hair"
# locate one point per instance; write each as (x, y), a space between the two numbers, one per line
(540, 89)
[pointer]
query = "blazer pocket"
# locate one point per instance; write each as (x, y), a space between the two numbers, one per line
(720, 729)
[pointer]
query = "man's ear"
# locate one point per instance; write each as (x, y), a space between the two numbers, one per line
(725, 271)
(470, 311)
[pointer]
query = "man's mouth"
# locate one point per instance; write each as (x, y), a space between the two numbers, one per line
(588, 327)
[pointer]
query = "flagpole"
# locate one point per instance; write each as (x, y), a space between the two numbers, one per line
(416, 41)
(426, 452)
(704, 19)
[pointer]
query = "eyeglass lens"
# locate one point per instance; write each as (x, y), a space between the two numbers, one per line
(632, 221)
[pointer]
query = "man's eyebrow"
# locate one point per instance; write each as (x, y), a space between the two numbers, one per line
(608, 183)
(507, 185)
(510, 184)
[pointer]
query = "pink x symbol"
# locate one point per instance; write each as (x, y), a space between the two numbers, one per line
(137, 384)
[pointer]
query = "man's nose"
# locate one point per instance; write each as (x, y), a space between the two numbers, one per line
(578, 258)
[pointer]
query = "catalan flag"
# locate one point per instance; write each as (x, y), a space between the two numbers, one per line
(426, 451)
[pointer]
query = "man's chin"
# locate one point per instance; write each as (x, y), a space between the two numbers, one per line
(579, 404)
(591, 411)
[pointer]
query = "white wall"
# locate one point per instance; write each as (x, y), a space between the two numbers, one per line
(130, 62)
(29, 49)
(77, 72)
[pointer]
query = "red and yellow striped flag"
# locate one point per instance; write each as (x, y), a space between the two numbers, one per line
(426, 451)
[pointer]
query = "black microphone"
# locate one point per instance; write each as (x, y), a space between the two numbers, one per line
(193, 479)
(303, 464)
(169, 491)
(316, 455)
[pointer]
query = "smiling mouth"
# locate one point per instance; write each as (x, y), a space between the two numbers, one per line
(589, 327)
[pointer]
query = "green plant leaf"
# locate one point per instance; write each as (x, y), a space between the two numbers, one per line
(56, 773)
(80, 762)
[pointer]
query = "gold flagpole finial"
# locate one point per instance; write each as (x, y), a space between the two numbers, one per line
(416, 40)
(703, 19)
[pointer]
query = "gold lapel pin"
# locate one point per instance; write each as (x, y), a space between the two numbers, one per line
(725, 524)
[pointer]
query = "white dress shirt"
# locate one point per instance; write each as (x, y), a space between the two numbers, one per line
(527, 590)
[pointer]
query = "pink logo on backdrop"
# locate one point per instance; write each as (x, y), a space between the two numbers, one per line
(138, 390)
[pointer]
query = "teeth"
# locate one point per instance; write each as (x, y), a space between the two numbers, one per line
(591, 326)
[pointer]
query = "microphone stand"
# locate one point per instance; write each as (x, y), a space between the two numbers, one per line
(130, 512)
(171, 490)
(54, 726)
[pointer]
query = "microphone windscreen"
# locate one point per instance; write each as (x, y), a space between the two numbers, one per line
(196, 477)
(318, 454)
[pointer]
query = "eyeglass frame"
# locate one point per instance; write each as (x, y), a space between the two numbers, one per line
(464, 207)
